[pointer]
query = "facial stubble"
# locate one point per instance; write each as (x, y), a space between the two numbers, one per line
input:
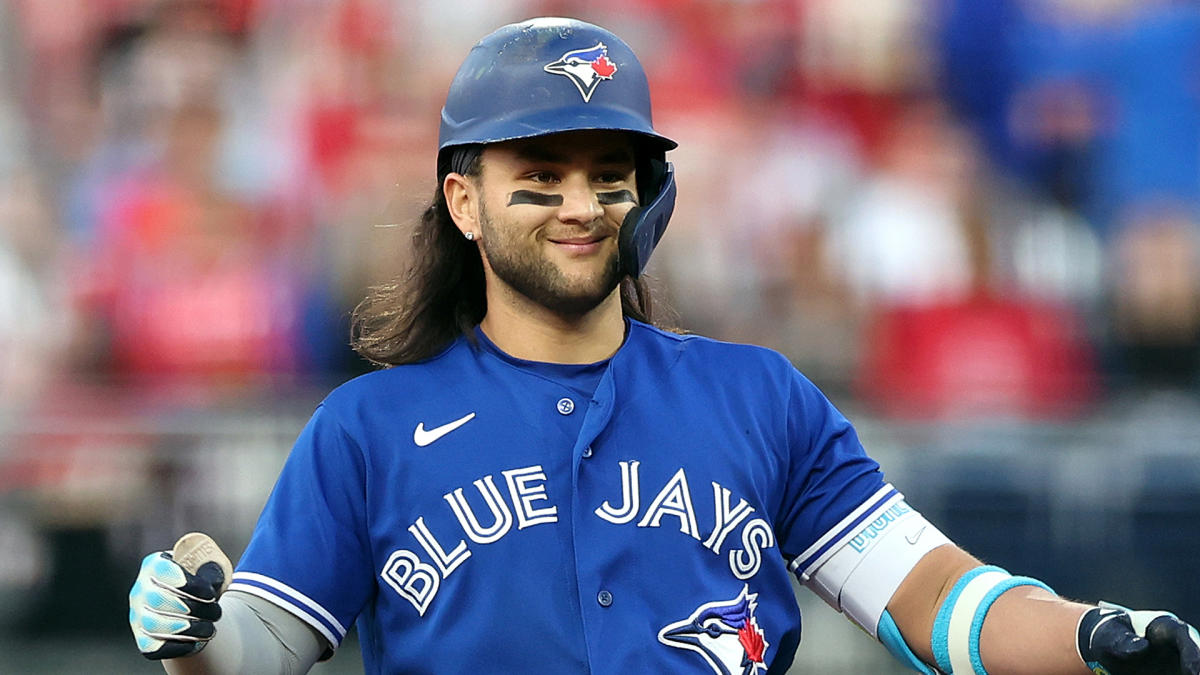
(531, 274)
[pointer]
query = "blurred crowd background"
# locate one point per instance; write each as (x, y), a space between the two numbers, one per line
(974, 223)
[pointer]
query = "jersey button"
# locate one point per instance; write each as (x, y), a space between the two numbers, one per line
(587, 452)
(566, 406)
(604, 598)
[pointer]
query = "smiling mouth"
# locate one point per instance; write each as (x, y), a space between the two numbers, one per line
(582, 242)
(579, 247)
(577, 241)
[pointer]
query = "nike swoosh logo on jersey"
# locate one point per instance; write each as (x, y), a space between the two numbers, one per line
(913, 539)
(423, 436)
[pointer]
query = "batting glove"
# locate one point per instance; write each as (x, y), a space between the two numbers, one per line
(1114, 640)
(172, 611)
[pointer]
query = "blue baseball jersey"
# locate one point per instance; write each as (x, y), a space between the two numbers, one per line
(637, 515)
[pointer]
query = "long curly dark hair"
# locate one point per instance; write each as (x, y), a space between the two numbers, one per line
(440, 296)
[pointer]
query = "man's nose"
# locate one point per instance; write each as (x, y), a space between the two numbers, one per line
(580, 204)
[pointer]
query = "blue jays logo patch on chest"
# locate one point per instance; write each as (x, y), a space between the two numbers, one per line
(725, 632)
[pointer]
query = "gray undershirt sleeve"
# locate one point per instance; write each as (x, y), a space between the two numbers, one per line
(254, 636)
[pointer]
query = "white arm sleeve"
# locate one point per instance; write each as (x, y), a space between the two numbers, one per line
(859, 575)
(254, 636)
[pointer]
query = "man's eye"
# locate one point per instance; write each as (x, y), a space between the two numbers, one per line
(611, 177)
(542, 177)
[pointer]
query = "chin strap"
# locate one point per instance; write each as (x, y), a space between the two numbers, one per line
(644, 225)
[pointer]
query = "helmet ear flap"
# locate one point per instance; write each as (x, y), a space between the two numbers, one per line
(644, 225)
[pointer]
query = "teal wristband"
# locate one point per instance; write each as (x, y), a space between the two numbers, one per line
(940, 638)
(981, 614)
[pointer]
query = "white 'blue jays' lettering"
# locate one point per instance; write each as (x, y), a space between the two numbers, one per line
(418, 582)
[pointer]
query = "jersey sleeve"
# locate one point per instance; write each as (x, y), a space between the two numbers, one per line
(309, 553)
(832, 486)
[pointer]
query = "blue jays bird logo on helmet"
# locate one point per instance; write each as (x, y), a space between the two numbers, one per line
(726, 633)
(585, 67)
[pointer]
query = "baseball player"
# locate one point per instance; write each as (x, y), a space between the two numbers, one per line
(543, 481)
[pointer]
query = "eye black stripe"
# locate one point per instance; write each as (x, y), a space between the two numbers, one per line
(535, 198)
(615, 197)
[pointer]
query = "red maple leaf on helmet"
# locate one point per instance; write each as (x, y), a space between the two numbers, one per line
(752, 641)
(604, 68)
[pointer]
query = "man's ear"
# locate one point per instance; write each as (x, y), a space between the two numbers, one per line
(462, 200)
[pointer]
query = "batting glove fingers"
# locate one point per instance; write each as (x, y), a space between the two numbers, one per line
(1116, 641)
(172, 612)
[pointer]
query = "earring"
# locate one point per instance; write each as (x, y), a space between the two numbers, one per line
(469, 235)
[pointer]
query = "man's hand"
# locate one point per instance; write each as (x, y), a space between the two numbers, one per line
(1114, 640)
(173, 603)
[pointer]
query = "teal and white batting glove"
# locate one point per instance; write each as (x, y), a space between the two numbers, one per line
(171, 610)
(1114, 640)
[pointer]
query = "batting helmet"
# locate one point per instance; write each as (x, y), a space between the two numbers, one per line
(549, 75)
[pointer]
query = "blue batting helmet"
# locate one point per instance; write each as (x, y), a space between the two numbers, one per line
(543, 76)
(548, 75)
